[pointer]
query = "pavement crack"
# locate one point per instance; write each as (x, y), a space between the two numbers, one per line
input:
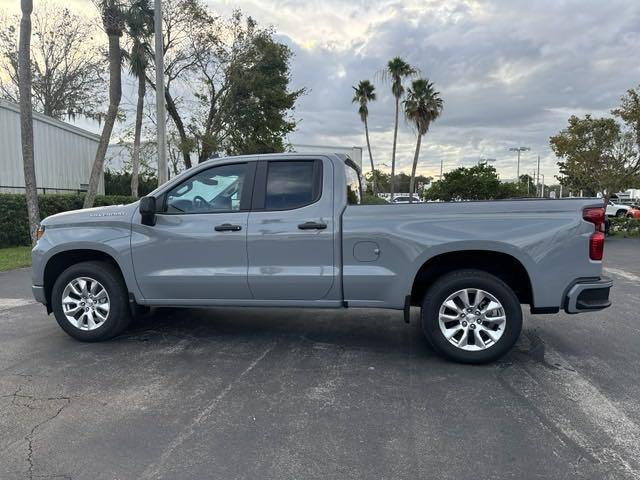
(20, 399)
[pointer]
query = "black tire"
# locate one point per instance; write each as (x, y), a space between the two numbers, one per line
(458, 280)
(621, 213)
(119, 316)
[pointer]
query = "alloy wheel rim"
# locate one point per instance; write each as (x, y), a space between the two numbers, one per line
(472, 319)
(85, 303)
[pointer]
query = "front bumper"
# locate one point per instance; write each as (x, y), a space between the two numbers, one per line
(588, 295)
(38, 294)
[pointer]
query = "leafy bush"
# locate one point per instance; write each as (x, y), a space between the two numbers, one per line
(119, 183)
(14, 222)
(626, 226)
(370, 199)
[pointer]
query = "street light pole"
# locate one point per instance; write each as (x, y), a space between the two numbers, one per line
(519, 149)
(160, 106)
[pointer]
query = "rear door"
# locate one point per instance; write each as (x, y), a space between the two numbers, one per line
(291, 228)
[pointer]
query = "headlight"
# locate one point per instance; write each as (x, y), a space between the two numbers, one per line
(40, 232)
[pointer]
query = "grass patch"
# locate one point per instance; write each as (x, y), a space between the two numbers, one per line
(14, 257)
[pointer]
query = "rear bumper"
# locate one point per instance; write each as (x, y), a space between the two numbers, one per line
(588, 295)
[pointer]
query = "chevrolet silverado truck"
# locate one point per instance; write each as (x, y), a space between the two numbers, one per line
(290, 230)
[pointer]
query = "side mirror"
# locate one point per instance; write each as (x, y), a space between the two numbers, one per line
(148, 210)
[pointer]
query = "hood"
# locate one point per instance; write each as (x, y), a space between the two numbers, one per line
(92, 215)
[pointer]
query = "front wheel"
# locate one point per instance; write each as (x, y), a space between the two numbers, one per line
(471, 316)
(90, 302)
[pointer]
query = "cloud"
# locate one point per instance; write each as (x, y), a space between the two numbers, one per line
(510, 71)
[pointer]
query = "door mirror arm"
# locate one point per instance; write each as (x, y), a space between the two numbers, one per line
(147, 210)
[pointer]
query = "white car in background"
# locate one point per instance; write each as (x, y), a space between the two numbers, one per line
(406, 199)
(617, 209)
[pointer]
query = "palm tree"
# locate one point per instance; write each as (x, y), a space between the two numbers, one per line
(397, 70)
(422, 107)
(365, 93)
(139, 22)
(113, 22)
(26, 118)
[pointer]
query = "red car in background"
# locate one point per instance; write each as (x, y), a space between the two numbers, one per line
(634, 212)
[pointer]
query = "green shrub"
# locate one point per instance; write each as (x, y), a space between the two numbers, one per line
(14, 222)
(370, 199)
(627, 226)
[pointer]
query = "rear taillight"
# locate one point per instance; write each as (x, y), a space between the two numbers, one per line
(596, 241)
(596, 246)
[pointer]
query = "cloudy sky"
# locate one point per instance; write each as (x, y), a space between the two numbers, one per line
(510, 71)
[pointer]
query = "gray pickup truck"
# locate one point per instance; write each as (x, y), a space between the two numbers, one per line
(289, 230)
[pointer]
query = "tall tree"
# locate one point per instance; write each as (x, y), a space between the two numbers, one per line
(596, 156)
(397, 70)
(26, 118)
(67, 66)
(113, 23)
(254, 112)
(363, 94)
(233, 76)
(629, 113)
(139, 25)
(422, 106)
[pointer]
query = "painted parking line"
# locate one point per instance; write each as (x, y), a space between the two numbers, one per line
(7, 303)
(617, 272)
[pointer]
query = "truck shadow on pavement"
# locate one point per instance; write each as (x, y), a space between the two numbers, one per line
(363, 329)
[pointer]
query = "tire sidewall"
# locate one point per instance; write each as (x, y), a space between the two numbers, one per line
(471, 279)
(111, 281)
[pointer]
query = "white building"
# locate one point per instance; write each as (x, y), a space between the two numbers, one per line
(63, 153)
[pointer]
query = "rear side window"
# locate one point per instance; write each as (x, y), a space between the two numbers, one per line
(292, 184)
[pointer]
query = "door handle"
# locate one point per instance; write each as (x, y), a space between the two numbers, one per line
(312, 226)
(227, 227)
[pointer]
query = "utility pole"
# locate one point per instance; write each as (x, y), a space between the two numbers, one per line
(441, 166)
(160, 105)
(519, 149)
(538, 174)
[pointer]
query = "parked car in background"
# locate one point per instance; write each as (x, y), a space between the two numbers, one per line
(634, 212)
(279, 230)
(616, 209)
(407, 200)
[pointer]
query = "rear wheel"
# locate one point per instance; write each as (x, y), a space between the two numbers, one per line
(471, 316)
(621, 213)
(90, 302)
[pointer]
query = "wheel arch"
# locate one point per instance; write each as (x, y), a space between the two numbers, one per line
(62, 260)
(503, 265)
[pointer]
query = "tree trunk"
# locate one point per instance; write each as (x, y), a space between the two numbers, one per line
(135, 167)
(115, 93)
(26, 119)
(374, 189)
(412, 181)
(173, 113)
(393, 152)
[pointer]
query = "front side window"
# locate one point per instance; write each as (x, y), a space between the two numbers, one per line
(292, 184)
(215, 190)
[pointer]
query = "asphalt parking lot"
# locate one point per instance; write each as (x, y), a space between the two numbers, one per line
(293, 394)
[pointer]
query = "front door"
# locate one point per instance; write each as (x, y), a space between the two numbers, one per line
(197, 249)
(291, 231)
